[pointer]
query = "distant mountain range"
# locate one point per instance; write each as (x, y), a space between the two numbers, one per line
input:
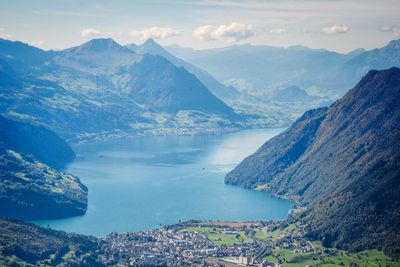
(344, 163)
(103, 87)
(257, 69)
(32, 187)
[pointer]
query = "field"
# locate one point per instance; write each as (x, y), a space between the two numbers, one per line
(335, 257)
(218, 237)
(288, 258)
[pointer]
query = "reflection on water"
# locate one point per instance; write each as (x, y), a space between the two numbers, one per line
(234, 148)
(153, 181)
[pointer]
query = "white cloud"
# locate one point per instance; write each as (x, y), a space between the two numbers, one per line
(37, 43)
(156, 33)
(205, 33)
(231, 33)
(392, 29)
(91, 32)
(278, 31)
(335, 29)
(4, 34)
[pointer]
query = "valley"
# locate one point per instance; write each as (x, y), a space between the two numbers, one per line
(202, 133)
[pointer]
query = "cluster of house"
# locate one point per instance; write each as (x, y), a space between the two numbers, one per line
(164, 246)
(174, 246)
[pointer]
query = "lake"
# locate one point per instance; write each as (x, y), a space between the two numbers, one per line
(147, 182)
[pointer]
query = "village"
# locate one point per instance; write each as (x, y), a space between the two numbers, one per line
(197, 243)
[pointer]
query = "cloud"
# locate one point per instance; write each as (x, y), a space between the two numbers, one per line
(278, 31)
(156, 33)
(392, 29)
(205, 33)
(231, 33)
(4, 34)
(335, 29)
(91, 32)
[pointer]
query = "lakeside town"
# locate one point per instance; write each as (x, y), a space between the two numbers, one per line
(191, 243)
(207, 243)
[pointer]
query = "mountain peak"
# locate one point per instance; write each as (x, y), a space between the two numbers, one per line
(394, 44)
(356, 52)
(150, 41)
(100, 45)
(377, 77)
(152, 47)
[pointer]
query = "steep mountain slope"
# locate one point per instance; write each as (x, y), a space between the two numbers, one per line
(45, 145)
(347, 168)
(159, 85)
(218, 89)
(30, 189)
(23, 244)
(102, 88)
(281, 151)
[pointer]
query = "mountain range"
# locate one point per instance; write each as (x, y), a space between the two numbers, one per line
(103, 87)
(343, 163)
(260, 70)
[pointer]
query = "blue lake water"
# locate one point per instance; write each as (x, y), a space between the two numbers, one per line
(151, 181)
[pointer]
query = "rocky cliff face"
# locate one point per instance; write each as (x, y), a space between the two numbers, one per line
(347, 169)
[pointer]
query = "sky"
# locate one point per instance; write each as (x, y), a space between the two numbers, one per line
(337, 25)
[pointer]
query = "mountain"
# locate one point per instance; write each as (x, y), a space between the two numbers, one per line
(281, 151)
(357, 51)
(378, 59)
(97, 56)
(25, 244)
(257, 69)
(31, 189)
(218, 89)
(101, 88)
(158, 84)
(342, 162)
(45, 145)
(21, 56)
(294, 94)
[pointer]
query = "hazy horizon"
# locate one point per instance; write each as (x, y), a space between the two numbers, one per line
(336, 25)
